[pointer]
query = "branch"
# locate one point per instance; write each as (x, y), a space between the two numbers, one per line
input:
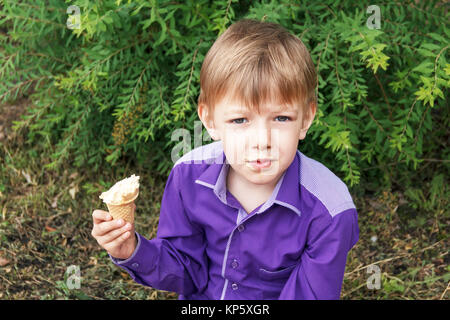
(384, 95)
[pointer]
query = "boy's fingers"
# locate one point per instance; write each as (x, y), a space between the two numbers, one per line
(107, 226)
(117, 241)
(112, 235)
(100, 216)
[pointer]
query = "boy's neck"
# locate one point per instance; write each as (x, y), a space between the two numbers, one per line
(240, 188)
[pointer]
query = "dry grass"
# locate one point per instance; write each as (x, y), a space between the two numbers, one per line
(411, 252)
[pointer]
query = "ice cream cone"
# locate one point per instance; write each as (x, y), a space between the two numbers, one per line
(120, 198)
(123, 211)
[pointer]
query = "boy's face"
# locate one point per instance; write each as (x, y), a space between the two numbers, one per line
(249, 136)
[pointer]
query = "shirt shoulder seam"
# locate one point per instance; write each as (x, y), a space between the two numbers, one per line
(342, 208)
(314, 186)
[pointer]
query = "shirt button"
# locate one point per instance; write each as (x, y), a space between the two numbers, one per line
(234, 264)
(241, 227)
(135, 265)
(234, 286)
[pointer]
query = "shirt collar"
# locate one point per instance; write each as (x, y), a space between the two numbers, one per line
(285, 193)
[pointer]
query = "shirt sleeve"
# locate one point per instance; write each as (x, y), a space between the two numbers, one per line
(320, 272)
(175, 260)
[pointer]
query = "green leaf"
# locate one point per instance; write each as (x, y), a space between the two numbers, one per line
(431, 46)
(426, 53)
(438, 37)
(425, 67)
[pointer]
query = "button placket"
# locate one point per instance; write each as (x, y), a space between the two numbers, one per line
(242, 217)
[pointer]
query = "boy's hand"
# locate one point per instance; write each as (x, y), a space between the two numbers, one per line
(115, 236)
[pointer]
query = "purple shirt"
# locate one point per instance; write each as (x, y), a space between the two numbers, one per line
(293, 246)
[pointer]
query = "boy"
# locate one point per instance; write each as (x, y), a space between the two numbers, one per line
(251, 217)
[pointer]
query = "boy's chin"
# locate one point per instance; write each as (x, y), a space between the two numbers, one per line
(260, 176)
(262, 180)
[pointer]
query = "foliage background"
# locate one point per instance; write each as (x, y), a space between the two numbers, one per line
(116, 89)
(128, 77)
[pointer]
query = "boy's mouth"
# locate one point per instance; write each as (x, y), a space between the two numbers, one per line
(260, 163)
(260, 160)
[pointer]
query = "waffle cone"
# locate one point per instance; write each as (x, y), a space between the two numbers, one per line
(123, 211)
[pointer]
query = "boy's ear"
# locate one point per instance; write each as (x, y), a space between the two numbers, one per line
(308, 122)
(207, 121)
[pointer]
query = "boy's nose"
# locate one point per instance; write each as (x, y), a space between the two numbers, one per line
(261, 138)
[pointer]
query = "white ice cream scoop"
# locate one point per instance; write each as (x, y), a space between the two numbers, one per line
(122, 192)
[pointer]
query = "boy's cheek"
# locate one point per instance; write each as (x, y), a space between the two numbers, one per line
(234, 150)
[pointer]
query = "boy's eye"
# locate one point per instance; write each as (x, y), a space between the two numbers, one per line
(238, 120)
(283, 117)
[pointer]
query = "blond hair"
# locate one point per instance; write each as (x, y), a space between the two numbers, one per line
(254, 62)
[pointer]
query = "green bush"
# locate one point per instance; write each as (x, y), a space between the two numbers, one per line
(122, 83)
